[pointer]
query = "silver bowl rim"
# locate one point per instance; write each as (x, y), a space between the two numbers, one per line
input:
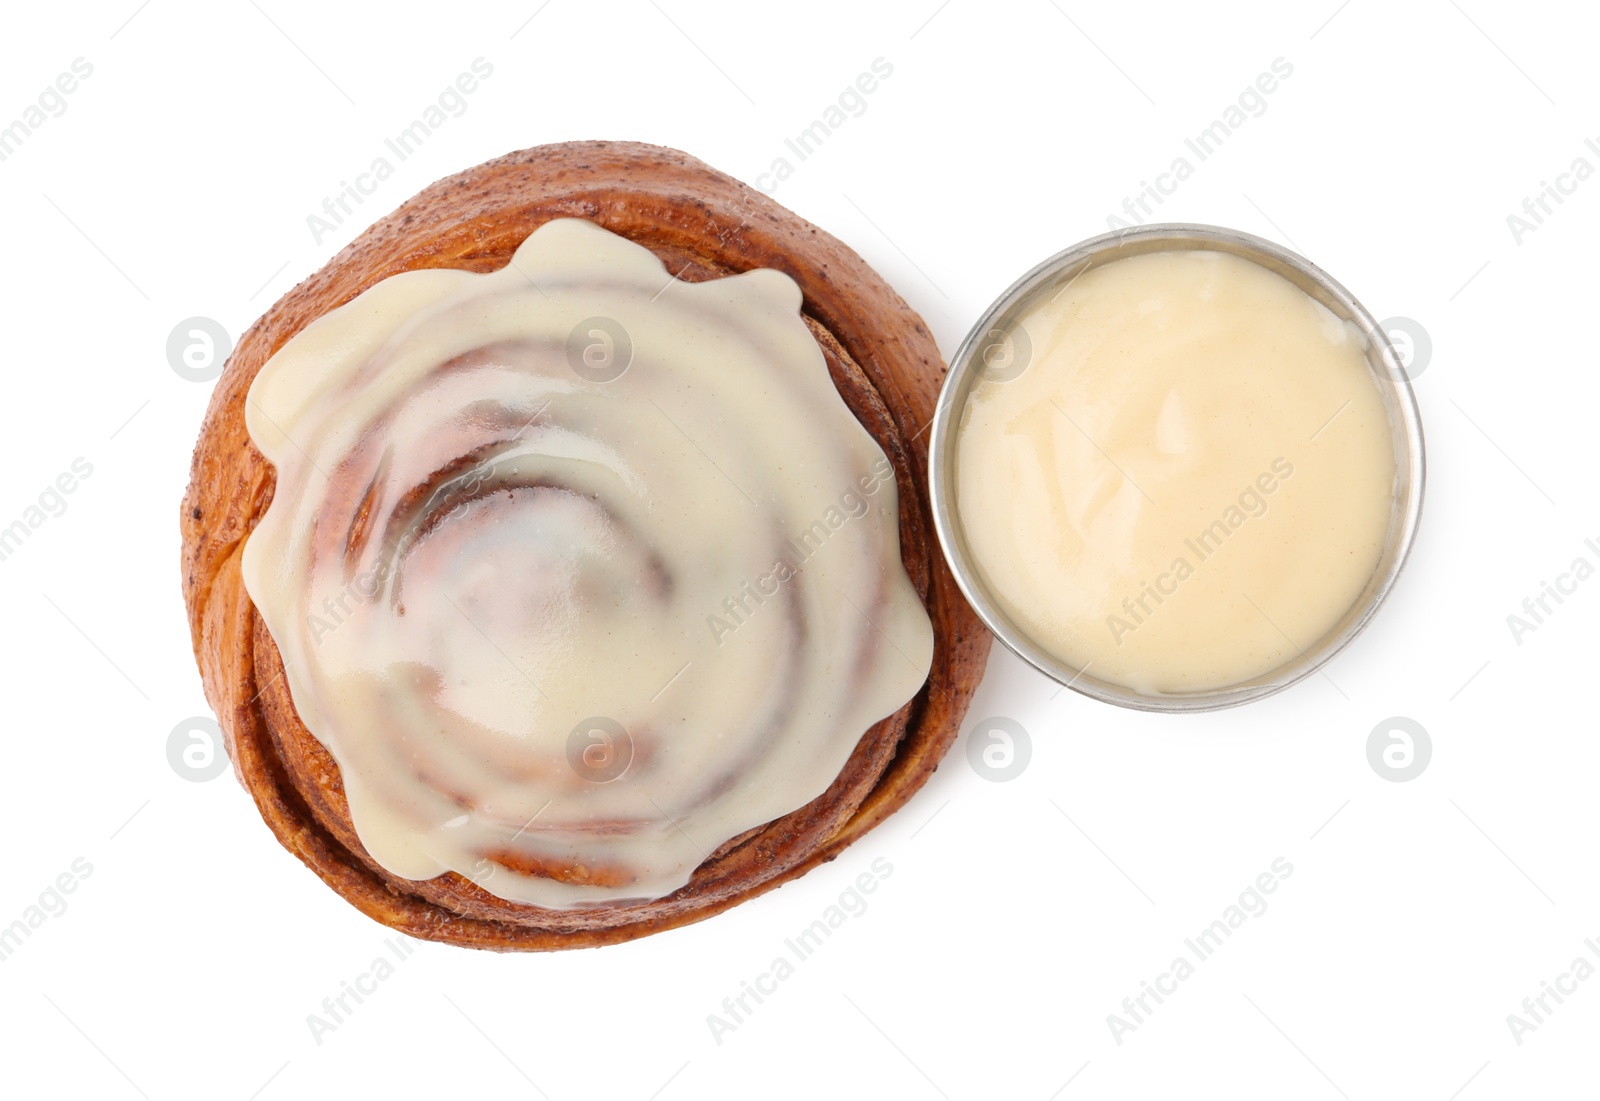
(1389, 373)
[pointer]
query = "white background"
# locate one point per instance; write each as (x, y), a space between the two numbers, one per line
(1419, 914)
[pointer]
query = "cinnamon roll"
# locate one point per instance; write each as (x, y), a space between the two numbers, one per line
(557, 558)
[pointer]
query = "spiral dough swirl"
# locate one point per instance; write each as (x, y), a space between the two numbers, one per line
(578, 570)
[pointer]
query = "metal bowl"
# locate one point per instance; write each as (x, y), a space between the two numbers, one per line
(995, 328)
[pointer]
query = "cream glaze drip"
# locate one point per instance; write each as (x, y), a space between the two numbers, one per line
(545, 618)
(1191, 481)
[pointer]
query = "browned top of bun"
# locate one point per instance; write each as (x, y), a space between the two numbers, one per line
(702, 224)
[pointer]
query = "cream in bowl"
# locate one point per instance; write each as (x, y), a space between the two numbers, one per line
(1176, 467)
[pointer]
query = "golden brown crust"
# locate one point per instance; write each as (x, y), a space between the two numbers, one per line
(703, 225)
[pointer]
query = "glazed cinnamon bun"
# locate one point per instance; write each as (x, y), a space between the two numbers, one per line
(558, 559)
